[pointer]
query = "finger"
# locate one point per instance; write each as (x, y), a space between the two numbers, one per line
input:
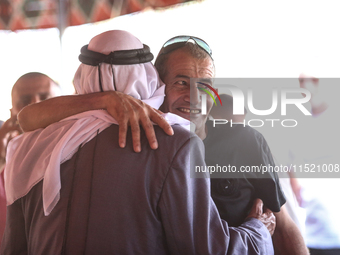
(149, 132)
(158, 111)
(161, 122)
(272, 223)
(256, 209)
(135, 129)
(123, 126)
(267, 210)
(258, 206)
(269, 215)
(273, 219)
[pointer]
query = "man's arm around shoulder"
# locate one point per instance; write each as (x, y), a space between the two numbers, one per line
(190, 218)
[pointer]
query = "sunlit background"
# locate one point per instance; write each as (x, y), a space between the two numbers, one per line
(248, 39)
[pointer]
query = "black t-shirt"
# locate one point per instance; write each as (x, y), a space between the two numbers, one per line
(241, 146)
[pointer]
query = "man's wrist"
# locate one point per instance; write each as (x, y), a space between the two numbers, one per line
(96, 101)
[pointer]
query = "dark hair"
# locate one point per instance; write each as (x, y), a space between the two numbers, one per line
(192, 48)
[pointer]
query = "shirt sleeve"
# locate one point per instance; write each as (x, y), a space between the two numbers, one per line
(190, 218)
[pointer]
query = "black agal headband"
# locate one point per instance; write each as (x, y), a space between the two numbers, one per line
(119, 57)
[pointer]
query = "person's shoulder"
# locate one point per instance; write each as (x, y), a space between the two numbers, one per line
(182, 132)
(181, 135)
(182, 141)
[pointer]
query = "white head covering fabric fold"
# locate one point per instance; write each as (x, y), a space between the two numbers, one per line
(37, 155)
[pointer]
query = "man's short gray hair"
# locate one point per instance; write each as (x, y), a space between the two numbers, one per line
(192, 48)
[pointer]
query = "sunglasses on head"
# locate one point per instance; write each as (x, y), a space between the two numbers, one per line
(179, 41)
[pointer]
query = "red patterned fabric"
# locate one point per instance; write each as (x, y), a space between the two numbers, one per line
(30, 14)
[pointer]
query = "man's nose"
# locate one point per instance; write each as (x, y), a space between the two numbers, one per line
(193, 96)
(35, 99)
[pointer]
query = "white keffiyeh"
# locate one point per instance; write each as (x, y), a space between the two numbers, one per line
(37, 155)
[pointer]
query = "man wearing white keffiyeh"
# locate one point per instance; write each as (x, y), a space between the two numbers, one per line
(72, 190)
(59, 142)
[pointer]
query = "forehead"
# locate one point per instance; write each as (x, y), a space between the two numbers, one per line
(33, 85)
(183, 63)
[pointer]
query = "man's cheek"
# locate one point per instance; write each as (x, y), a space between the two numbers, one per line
(210, 104)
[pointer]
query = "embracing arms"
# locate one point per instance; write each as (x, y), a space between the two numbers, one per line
(191, 220)
(125, 109)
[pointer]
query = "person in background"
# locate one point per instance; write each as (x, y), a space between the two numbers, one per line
(179, 60)
(239, 145)
(30, 88)
(236, 144)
